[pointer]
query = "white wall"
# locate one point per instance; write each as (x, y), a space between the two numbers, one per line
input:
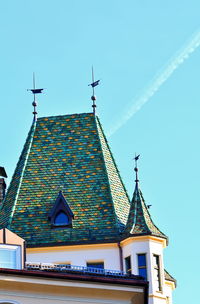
(110, 256)
(148, 247)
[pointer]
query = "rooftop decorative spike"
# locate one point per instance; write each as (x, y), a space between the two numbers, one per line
(136, 168)
(34, 103)
(93, 85)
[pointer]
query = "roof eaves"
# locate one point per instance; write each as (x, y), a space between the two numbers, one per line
(81, 277)
(169, 277)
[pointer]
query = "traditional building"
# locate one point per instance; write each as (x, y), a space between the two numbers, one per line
(67, 200)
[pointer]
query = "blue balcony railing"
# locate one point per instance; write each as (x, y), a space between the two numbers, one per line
(66, 268)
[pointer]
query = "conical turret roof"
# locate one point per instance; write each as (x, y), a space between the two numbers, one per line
(139, 220)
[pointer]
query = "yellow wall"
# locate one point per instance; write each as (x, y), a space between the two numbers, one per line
(32, 292)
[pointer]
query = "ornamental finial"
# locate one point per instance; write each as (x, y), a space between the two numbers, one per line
(93, 85)
(34, 103)
(136, 168)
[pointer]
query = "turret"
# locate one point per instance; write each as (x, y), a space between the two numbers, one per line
(143, 246)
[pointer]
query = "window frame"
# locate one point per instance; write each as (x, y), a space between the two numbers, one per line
(142, 267)
(95, 262)
(157, 269)
(128, 271)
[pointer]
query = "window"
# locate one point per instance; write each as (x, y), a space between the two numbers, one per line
(128, 264)
(99, 265)
(61, 219)
(61, 215)
(156, 267)
(142, 265)
(10, 256)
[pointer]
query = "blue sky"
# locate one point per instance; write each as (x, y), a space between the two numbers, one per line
(129, 43)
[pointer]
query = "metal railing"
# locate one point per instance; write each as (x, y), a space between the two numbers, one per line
(74, 268)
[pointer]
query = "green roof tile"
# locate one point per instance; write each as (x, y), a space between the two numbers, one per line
(66, 153)
(139, 220)
(169, 277)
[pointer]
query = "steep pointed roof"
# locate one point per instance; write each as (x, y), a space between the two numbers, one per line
(139, 219)
(68, 153)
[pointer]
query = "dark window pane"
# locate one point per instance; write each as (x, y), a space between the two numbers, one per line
(143, 272)
(141, 260)
(128, 264)
(61, 219)
(96, 265)
(156, 260)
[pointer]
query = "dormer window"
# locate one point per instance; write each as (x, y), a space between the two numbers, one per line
(61, 215)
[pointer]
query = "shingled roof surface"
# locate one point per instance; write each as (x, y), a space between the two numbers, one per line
(169, 277)
(66, 153)
(139, 220)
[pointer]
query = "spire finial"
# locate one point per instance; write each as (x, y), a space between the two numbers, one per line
(136, 168)
(93, 85)
(34, 103)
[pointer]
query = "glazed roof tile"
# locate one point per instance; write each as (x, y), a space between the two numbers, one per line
(169, 277)
(139, 220)
(67, 153)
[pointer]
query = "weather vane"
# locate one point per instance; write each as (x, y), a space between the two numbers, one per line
(136, 167)
(34, 103)
(93, 85)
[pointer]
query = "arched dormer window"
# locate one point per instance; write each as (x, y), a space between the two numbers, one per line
(61, 215)
(61, 219)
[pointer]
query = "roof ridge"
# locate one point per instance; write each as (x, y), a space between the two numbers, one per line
(26, 151)
(146, 209)
(113, 159)
(63, 115)
(142, 205)
(119, 222)
(105, 168)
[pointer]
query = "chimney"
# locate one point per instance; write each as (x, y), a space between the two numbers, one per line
(2, 184)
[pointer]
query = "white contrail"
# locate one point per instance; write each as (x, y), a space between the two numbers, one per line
(158, 80)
